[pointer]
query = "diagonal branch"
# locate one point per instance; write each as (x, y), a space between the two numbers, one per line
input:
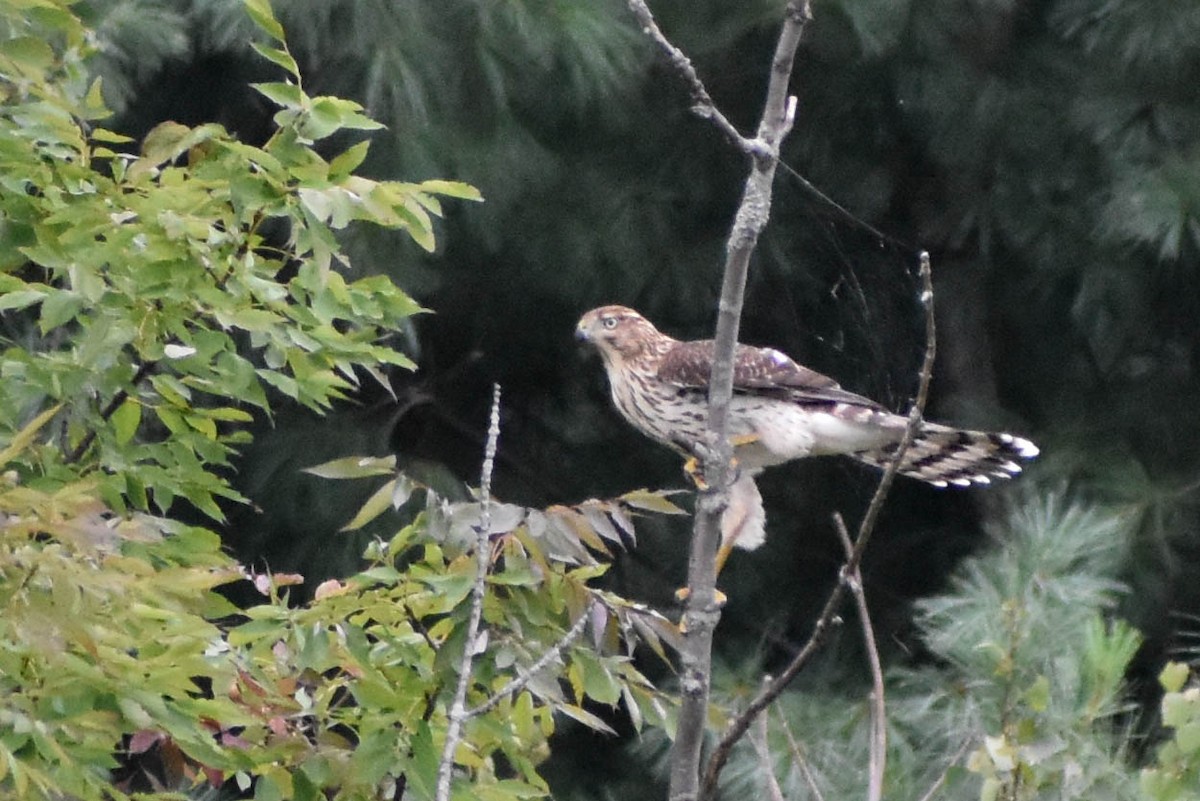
(77, 453)
(737, 728)
(523, 676)
(703, 105)
(458, 711)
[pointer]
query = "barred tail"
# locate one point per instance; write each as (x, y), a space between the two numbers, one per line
(941, 456)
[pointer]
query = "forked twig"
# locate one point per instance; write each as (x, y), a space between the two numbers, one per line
(458, 712)
(737, 728)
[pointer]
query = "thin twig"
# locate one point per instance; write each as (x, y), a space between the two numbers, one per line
(458, 711)
(703, 105)
(108, 411)
(737, 728)
(877, 759)
(941, 779)
(523, 676)
(758, 738)
(798, 755)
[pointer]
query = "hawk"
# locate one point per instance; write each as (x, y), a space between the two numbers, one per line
(780, 411)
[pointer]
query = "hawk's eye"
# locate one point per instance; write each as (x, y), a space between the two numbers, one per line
(609, 322)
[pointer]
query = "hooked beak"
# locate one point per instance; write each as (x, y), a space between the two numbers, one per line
(581, 333)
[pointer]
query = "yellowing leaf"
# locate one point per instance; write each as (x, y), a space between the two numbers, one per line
(22, 438)
(651, 502)
(1173, 676)
(376, 505)
(586, 718)
(452, 189)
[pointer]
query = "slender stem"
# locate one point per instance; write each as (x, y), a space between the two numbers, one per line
(703, 102)
(458, 711)
(877, 759)
(523, 676)
(801, 761)
(737, 728)
(758, 738)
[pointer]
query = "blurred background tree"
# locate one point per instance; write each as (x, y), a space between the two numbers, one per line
(1047, 153)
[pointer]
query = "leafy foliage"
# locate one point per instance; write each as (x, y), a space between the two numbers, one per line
(150, 301)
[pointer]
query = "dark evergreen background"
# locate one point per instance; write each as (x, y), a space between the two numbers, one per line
(1046, 153)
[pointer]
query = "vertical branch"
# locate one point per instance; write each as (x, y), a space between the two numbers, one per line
(702, 611)
(458, 710)
(877, 759)
(737, 728)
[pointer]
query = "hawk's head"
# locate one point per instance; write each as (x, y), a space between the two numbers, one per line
(618, 332)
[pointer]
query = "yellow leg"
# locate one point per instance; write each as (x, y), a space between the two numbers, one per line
(723, 554)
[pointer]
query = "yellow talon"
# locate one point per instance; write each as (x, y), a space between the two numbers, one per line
(692, 468)
(719, 597)
(744, 439)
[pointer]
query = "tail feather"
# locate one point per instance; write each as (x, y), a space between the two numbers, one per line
(942, 456)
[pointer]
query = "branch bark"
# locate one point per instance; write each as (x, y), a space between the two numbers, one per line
(877, 759)
(458, 712)
(703, 612)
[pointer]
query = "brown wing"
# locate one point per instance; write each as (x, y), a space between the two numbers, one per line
(763, 371)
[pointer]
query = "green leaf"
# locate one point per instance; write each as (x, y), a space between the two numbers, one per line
(126, 419)
(163, 142)
(58, 309)
(346, 162)
(27, 54)
(1180, 708)
(21, 299)
(456, 189)
(280, 57)
(1173, 676)
(1188, 737)
(287, 95)
(260, 11)
(354, 467)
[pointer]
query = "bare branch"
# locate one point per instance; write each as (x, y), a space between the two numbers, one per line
(458, 712)
(801, 761)
(702, 611)
(758, 738)
(737, 728)
(877, 759)
(523, 676)
(703, 105)
(941, 779)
